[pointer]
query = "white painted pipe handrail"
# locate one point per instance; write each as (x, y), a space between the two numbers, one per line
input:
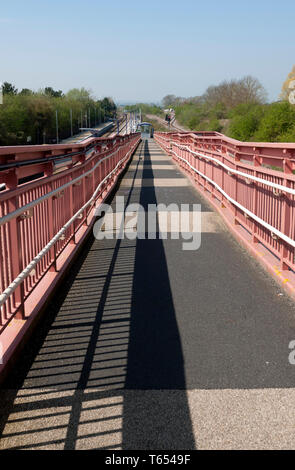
(237, 172)
(30, 205)
(237, 204)
(26, 271)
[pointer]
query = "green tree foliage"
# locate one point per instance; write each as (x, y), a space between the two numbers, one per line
(214, 125)
(8, 89)
(26, 91)
(31, 116)
(189, 114)
(49, 91)
(245, 121)
(274, 122)
(146, 108)
(79, 94)
(108, 106)
(237, 108)
(277, 124)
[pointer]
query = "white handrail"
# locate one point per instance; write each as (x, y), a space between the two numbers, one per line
(21, 210)
(26, 271)
(237, 204)
(237, 172)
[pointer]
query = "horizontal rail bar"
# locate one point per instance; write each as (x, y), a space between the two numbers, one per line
(244, 209)
(30, 205)
(18, 164)
(216, 136)
(237, 172)
(26, 271)
(243, 177)
(35, 244)
(274, 154)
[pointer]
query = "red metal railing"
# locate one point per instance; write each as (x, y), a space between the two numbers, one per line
(43, 221)
(254, 181)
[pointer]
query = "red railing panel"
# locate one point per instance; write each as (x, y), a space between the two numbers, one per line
(33, 213)
(264, 208)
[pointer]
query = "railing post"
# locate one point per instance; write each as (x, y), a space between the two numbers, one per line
(51, 226)
(256, 162)
(15, 247)
(222, 176)
(286, 216)
(73, 225)
(236, 159)
(83, 183)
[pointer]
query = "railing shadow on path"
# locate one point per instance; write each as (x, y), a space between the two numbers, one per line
(105, 368)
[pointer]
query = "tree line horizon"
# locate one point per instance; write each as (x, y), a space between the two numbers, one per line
(34, 117)
(237, 108)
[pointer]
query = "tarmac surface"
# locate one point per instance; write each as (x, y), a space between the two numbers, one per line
(151, 346)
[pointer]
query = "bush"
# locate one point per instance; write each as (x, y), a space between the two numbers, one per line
(29, 114)
(214, 125)
(245, 121)
(277, 123)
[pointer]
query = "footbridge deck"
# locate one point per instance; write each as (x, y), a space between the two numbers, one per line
(150, 346)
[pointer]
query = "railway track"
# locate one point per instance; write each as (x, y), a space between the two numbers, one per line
(165, 124)
(75, 140)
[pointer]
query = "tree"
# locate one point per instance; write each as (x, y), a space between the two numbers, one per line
(108, 106)
(251, 90)
(26, 92)
(31, 113)
(234, 92)
(278, 121)
(49, 91)
(79, 94)
(9, 89)
(245, 121)
(168, 101)
(285, 88)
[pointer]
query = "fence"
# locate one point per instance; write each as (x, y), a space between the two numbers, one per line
(254, 181)
(43, 221)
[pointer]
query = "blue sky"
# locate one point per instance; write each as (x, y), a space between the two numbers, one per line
(141, 51)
